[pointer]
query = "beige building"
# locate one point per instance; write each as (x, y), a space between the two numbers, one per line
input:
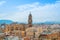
(18, 29)
(33, 31)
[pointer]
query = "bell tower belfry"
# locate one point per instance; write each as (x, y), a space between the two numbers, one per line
(30, 20)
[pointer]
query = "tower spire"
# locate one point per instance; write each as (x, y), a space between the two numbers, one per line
(30, 20)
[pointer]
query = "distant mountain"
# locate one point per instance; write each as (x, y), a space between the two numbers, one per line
(10, 21)
(6, 21)
(48, 22)
(51, 22)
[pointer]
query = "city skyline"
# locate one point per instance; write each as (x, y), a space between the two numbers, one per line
(46, 10)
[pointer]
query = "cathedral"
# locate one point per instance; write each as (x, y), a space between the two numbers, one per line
(15, 28)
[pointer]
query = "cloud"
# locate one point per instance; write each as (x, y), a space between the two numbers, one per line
(28, 6)
(49, 12)
(2, 2)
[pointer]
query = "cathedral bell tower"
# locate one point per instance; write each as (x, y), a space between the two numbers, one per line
(30, 20)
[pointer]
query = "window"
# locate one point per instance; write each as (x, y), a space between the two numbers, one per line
(16, 28)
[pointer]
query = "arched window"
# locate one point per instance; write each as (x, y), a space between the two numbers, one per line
(12, 28)
(16, 28)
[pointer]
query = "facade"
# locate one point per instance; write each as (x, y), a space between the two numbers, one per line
(18, 29)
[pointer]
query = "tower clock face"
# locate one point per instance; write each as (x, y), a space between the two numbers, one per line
(30, 20)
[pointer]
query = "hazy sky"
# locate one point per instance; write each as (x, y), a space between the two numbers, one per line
(41, 10)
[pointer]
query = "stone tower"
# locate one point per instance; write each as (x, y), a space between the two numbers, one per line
(30, 20)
